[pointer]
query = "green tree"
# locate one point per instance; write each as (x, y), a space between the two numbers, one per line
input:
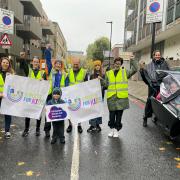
(95, 50)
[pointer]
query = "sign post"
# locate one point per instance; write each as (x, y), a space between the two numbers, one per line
(6, 27)
(154, 14)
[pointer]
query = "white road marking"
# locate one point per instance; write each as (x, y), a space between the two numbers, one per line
(75, 157)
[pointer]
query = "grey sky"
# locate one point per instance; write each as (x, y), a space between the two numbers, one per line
(83, 21)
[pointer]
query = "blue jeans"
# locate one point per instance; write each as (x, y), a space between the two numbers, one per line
(7, 121)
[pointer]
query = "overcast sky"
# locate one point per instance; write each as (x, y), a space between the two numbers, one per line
(83, 21)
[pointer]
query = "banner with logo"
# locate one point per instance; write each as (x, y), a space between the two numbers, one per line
(57, 112)
(24, 97)
(84, 101)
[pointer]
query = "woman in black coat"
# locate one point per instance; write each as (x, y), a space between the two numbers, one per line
(153, 80)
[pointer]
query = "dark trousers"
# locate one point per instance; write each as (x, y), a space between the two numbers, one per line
(148, 107)
(27, 124)
(7, 122)
(58, 129)
(47, 125)
(115, 119)
(96, 121)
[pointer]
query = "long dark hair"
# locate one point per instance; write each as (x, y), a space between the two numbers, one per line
(10, 69)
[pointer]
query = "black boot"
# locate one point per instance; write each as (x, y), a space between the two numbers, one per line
(98, 128)
(53, 141)
(90, 129)
(80, 130)
(38, 132)
(144, 121)
(47, 134)
(69, 129)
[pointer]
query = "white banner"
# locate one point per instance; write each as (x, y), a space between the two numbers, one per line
(154, 11)
(84, 101)
(57, 112)
(24, 97)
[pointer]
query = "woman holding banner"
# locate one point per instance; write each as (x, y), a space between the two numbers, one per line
(95, 123)
(5, 69)
(116, 81)
(35, 73)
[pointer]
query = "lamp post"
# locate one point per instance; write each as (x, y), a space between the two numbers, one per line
(110, 22)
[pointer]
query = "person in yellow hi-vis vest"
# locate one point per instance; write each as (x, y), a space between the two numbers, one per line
(35, 73)
(76, 75)
(58, 78)
(5, 69)
(116, 81)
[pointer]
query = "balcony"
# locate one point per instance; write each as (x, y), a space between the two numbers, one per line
(131, 41)
(17, 46)
(34, 51)
(32, 7)
(130, 23)
(31, 29)
(14, 6)
(47, 28)
(131, 4)
(177, 9)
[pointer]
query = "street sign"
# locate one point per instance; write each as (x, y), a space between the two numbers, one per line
(5, 41)
(154, 11)
(6, 21)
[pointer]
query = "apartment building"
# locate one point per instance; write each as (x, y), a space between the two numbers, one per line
(138, 34)
(32, 31)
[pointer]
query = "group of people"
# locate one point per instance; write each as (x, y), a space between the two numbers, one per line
(114, 80)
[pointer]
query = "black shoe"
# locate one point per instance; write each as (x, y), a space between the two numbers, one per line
(69, 129)
(155, 120)
(144, 122)
(25, 133)
(98, 128)
(80, 130)
(53, 141)
(62, 141)
(90, 129)
(38, 132)
(47, 134)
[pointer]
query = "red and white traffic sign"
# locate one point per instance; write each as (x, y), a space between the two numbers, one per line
(5, 41)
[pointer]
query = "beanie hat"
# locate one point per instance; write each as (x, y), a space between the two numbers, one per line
(97, 62)
(57, 91)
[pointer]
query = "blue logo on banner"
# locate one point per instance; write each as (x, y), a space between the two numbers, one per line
(6, 20)
(154, 7)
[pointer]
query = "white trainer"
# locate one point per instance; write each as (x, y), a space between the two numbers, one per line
(111, 134)
(116, 134)
(7, 135)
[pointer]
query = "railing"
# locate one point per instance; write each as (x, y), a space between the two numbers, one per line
(177, 9)
(32, 26)
(170, 15)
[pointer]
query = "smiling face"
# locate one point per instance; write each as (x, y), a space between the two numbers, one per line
(57, 66)
(117, 65)
(35, 63)
(5, 64)
(76, 64)
(97, 67)
(157, 56)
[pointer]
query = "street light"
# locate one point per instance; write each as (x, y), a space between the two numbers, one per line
(110, 22)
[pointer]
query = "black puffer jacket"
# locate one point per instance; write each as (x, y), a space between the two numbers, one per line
(149, 74)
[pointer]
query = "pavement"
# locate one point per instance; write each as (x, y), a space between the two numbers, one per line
(138, 89)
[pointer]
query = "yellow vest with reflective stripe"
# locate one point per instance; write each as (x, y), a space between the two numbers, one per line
(79, 78)
(62, 83)
(117, 85)
(39, 75)
(1, 84)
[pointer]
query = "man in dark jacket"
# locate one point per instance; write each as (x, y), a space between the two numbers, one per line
(153, 80)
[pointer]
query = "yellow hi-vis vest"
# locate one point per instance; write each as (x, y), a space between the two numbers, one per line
(52, 79)
(39, 75)
(1, 84)
(79, 78)
(117, 85)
